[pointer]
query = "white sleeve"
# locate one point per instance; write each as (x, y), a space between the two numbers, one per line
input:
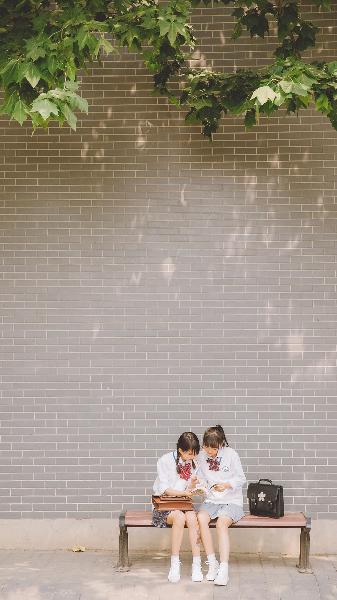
(202, 471)
(238, 479)
(162, 481)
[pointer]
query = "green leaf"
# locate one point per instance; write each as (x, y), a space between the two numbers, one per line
(280, 98)
(19, 113)
(71, 85)
(173, 27)
(44, 107)
(82, 37)
(38, 120)
(250, 118)
(323, 103)
(10, 71)
(298, 89)
(306, 81)
(192, 118)
(174, 100)
(332, 67)
(200, 103)
(304, 100)
(7, 106)
(35, 50)
(263, 94)
(31, 73)
(323, 3)
(57, 93)
(172, 33)
(77, 102)
(286, 86)
(292, 87)
(237, 31)
(71, 70)
(70, 116)
(93, 44)
(164, 27)
(52, 63)
(106, 46)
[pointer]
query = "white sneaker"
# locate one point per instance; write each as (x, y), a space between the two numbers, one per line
(222, 576)
(213, 568)
(197, 572)
(174, 572)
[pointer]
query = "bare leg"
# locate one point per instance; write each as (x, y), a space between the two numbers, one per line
(206, 537)
(223, 537)
(193, 532)
(177, 519)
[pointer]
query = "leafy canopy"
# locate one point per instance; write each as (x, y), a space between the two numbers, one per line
(44, 44)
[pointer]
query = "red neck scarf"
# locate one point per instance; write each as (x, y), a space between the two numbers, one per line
(214, 463)
(184, 471)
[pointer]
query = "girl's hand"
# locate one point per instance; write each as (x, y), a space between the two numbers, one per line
(177, 493)
(192, 482)
(221, 487)
(199, 491)
(186, 493)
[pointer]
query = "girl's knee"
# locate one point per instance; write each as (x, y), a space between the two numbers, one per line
(223, 523)
(178, 517)
(203, 518)
(191, 518)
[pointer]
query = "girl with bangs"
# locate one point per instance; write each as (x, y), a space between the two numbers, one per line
(176, 476)
(220, 468)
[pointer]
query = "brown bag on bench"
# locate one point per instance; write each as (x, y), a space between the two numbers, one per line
(172, 503)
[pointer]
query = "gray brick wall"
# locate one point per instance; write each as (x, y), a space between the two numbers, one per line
(152, 282)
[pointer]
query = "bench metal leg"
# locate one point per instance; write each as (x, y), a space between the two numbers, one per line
(303, 561)
(123, 559)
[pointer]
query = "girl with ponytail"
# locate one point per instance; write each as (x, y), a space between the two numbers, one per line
(176, 476)
(220, 467)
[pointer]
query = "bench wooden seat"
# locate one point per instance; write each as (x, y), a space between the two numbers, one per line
(137, 518)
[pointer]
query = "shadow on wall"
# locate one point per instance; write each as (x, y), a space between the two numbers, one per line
(252, 213)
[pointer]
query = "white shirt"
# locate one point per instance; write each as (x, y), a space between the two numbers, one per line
(167, 475)
(230, 471)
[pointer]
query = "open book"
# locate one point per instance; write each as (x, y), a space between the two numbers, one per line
(200, 489)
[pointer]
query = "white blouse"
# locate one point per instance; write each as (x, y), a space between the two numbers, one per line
(167, 476)
(230, 471)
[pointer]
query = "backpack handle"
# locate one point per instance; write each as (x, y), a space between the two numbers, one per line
(268, 480)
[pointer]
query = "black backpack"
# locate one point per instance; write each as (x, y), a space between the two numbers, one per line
(265, 499)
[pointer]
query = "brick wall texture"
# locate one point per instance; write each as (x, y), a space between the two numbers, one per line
(153, 282)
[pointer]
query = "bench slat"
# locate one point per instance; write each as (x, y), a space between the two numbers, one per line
(138, 518)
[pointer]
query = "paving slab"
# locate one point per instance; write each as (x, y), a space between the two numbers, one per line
(90, 575)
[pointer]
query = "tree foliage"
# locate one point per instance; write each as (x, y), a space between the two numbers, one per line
(44, 44)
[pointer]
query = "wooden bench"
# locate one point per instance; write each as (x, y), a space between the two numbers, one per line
(136, 518)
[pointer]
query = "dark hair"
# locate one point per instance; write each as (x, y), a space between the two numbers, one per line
(187, 441)
(214, 437)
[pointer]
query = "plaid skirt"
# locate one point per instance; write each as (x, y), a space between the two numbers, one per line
(232, 511)
(159, 517)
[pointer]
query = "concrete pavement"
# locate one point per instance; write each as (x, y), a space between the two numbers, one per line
(64, 575)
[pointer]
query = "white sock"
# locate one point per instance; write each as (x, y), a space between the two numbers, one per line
(211, 558)
(174, 559)
(196, 560)
(224, 566)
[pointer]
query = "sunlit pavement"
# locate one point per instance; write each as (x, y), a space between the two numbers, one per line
(90, 575)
